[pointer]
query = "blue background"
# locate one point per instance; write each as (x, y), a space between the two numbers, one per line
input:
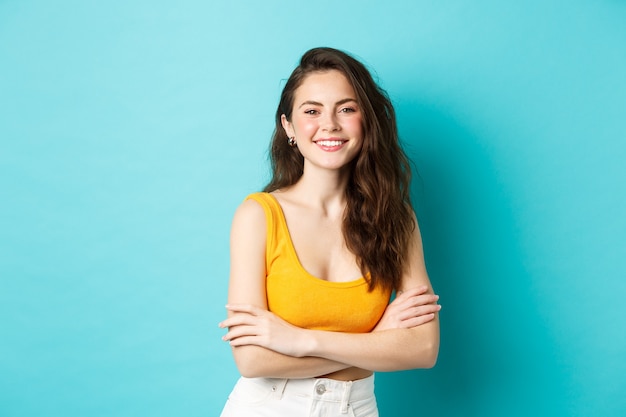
(130, 131)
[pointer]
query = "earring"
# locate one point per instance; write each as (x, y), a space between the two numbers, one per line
(292, 141)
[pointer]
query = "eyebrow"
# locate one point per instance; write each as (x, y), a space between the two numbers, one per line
(317, 103)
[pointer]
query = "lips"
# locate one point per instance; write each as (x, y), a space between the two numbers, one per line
(330, 144)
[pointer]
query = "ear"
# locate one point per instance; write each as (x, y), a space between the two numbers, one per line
(287, 126)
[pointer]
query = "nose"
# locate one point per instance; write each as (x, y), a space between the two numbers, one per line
(329, 122)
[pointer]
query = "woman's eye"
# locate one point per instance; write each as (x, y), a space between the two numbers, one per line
(310, 111)
(348, 110)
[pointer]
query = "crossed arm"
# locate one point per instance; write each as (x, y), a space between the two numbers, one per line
(264, 345)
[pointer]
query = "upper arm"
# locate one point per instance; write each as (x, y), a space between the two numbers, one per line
(415, 274)
(247, 255)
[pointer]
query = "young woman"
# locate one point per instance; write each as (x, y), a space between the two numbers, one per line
(317, 255)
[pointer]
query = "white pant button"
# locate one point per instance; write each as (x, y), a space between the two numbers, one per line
(320, 389)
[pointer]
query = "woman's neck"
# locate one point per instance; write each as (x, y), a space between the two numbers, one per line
(322, 189)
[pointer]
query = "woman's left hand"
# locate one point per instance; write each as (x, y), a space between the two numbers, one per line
(409, 309)
(250, 325)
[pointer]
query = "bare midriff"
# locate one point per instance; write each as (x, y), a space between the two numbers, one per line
(348, 374)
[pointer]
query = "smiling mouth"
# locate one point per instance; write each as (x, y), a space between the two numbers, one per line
(330, 143)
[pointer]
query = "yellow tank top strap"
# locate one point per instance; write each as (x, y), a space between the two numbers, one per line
(273, 216)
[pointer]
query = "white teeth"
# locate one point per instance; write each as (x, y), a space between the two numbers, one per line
(329, 142)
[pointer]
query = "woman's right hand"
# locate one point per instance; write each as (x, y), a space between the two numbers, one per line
(410, 308)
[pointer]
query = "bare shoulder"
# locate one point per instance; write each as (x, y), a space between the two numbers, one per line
(249, 228)
(249, 214)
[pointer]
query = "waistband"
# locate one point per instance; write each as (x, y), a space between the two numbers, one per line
(321, 389)
(330, 389)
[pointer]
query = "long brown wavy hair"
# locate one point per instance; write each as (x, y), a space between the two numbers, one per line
(379, 221)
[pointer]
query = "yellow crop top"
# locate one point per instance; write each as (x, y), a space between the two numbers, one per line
(304, 300)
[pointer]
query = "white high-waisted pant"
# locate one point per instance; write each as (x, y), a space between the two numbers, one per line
(311, 397)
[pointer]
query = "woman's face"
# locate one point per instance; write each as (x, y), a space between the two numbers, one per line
(326, 120)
